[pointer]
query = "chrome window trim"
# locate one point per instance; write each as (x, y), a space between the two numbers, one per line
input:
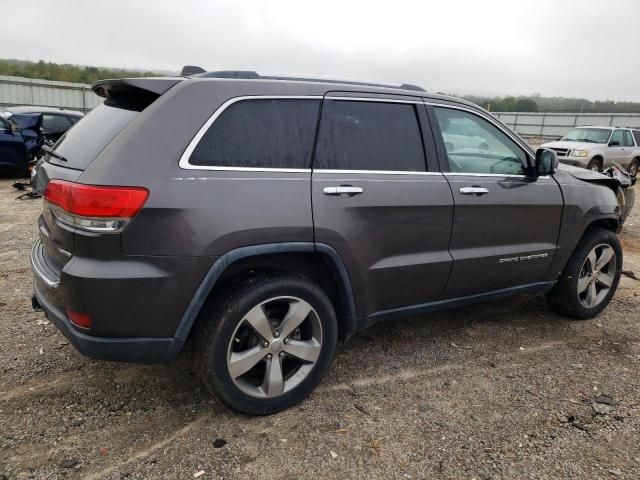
(463, 174)
(527, 149)
(184, 158)
(417, 101)
(373, 172)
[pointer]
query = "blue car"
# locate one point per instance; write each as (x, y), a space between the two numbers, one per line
(21, 137)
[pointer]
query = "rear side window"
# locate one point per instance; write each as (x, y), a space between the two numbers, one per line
(260, 133)
(81, 144)
(628, 141)
(55, 123)
(358, 135)
(636, 134)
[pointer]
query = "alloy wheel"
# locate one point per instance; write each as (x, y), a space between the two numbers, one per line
(274, 347)
(597, 275)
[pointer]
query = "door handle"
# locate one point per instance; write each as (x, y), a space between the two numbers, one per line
(345, 190)
(474, 191)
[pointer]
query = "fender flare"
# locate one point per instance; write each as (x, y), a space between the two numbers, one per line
(221, 264)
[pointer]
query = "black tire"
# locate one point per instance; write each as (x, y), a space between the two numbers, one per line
(223, 315)
(595, 164)
(634, 167)
(564, 297)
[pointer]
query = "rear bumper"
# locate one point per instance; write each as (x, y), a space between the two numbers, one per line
(133, 349)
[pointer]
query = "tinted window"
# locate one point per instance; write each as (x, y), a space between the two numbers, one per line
(617, 137)
(276, 133)
(474, 145)
(356, 135)
(81, 144)
(636, 134)
(628, 141)
(55, 123)
(3, 123)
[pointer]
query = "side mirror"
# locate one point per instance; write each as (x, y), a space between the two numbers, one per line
(15, 128)
(546, 161)
(614, 143)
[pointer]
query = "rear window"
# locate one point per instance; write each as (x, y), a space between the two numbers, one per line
(357, 135)
(82, 144)
(261, 133)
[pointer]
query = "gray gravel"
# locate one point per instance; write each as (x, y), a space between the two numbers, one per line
(501, 390)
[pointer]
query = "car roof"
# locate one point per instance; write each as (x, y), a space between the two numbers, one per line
(38, 109)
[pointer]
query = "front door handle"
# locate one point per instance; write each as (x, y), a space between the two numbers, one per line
(345, 190)
(474, 191)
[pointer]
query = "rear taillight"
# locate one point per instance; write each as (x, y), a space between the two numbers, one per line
(81, 320)
(93, 207)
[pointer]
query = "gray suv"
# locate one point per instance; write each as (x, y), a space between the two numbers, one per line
(261, 220)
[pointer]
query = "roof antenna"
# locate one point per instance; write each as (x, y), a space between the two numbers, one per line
(188, 70)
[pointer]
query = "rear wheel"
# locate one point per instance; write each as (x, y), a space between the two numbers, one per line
(268, 344)
(590, 278)
(595, 164)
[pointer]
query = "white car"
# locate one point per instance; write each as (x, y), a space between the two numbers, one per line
(596, 148)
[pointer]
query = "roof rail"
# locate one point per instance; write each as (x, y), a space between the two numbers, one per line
(251, 75)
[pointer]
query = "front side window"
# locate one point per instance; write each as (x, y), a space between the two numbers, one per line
(617, 138)
(261, 133)
(628, 140)
(474, 145)
(361, 135)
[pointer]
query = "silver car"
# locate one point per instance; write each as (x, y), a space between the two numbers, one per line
(596, 148)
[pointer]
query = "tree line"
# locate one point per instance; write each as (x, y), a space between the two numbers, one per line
(537, 103)
(65, 72)
(532, 103)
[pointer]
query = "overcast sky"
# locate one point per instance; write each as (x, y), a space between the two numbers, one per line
(573, 48)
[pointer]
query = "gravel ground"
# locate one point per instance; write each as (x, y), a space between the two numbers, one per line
(499, 390)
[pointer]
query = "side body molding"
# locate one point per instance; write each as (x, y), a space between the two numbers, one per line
(210, 279)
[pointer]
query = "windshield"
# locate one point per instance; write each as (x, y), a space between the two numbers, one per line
(81, 144)
(589, 135)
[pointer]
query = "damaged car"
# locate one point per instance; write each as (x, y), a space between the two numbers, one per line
(21, 137)
(259, 220)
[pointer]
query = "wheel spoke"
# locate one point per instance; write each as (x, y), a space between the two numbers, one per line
(241, 362)
(308, 350)
(298, 312)
(605, 257)
(583, 283)
(592, 260)
(605, 279)
(260, 323)
(273, 382)
(592, 295)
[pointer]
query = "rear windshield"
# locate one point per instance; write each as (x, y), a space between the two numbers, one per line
(81, 144)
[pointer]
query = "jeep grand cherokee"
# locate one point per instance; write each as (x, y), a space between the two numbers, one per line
(264, 219)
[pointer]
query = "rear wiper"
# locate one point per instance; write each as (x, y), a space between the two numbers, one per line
(52, 152)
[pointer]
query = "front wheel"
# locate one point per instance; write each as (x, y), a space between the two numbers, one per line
(633, 168)
(268, 344)
(595, 165)
(590, 277)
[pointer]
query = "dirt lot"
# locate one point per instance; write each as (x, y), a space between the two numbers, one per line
(500, 390)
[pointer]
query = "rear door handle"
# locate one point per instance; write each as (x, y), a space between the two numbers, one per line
(474, 191)
(346, 190)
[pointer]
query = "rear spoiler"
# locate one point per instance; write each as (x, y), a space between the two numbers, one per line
(133, 93)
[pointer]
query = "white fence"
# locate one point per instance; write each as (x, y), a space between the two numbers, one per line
(554, 125)
(28, 91)
(78, 96)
